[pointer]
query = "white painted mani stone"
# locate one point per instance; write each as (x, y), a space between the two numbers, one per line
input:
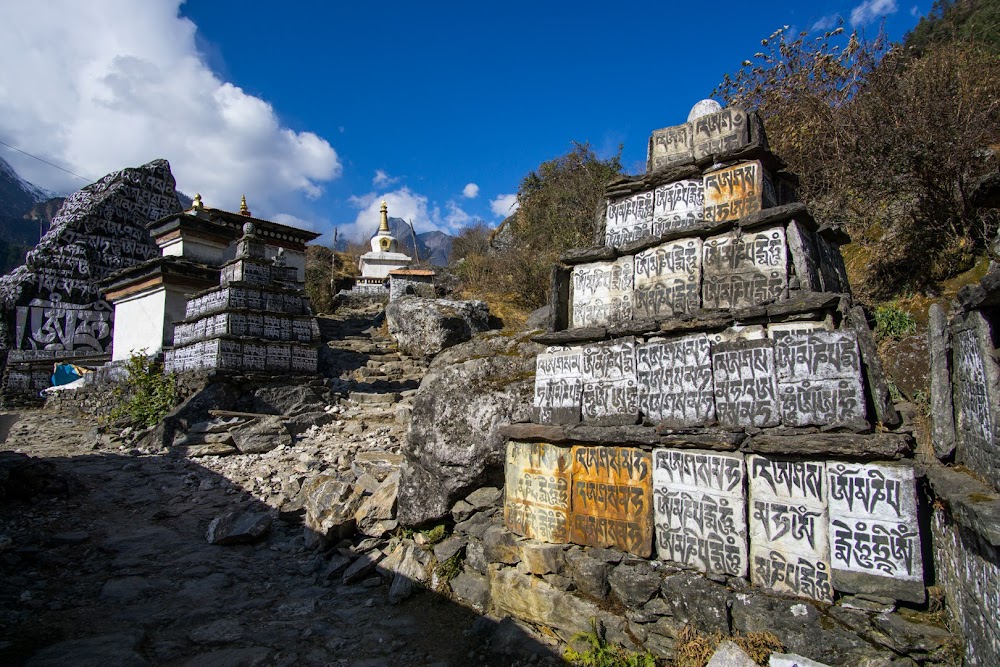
(746, 392)
(723, 131)
(668, 279)
(699, 509)
(743, 270)
(628, 219)
(678, 206)
(558, 385)
(776, 331)
(873, 521)
(819, 378)
(675, 381)
(537, 490)
(789, 547)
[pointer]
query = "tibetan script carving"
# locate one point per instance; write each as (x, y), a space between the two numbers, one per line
(610, 389)
(819, 378)
(742, 270)
(746, 393)
(734, 192)
(789, 522)
(675, 381)
(700, 510)
(558, 385)
(677, 206)
(537, 490)
(873, 522)
(720, 132)
(602, 292)
(628, 219)
(668, 279)
(670, 146)
(612, 499)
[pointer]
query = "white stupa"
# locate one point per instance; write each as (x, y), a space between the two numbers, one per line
(384, 256)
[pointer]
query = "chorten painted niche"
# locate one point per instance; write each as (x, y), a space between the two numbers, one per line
(384, 256)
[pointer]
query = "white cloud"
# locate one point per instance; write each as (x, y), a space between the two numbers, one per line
(470, 191)
(869, 10)
(825, 23)
(382, 179)
(504, 205)
(118, 83)
(406, 204)
(915, 11)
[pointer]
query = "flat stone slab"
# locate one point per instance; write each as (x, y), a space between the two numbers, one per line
(971, 503)
(853, 445)
(587, 255)
(582, 433)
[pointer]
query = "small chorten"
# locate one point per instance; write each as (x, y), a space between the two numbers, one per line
(384, 256)
(243, 207)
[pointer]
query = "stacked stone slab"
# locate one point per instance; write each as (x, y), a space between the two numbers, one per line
(257, 320)
(53, 308)
(965, 405)
(709, 395)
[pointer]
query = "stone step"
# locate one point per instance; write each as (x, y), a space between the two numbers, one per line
(386, 398)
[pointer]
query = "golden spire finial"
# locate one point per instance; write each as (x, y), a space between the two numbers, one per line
(243, 207)
(197, 202)
(384, 225)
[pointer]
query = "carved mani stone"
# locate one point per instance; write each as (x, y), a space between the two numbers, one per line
(612, 499)
(724, 131)
(675, 381)
(602, 292)
(678, 206)
(874, 535)
(668, 279)
(734, 192)
(744, 270)
(819, 379)
(537, 486)
(628, 219)
(746, 391)
(558, 385)
(700, 510)
(789, 546)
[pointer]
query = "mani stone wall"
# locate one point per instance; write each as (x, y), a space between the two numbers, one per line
(52, 307)
(965, 402)
(710, 397)
(258, 320)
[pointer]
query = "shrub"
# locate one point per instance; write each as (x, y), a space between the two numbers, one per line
(893, 323)
(145, 394)
(599, 653)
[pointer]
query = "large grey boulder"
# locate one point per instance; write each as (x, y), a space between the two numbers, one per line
(454, 443)
(424, 327)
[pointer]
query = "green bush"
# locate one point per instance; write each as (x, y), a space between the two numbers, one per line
(599, 653)
(893, 323)
(146, 393)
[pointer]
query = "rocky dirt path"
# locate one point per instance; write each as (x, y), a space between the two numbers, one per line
(104, 559)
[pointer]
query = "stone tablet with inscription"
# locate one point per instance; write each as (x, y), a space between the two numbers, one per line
(976, 381)
(610, 389)
(668, 279)
(746, 390)
(734, 192)
(700, 510)
(602, 292)
(776, 331)
(720, 132)
(670, 147)
(537, 490)
(819, 379)
(805, 256)
(675, 381)
(628, 219)
(612, 499)
(677, 206)
(742, 270)
(789, 546)
(874, 534)
(558, 385)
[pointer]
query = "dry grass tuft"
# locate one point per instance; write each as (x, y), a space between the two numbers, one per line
(695, 649)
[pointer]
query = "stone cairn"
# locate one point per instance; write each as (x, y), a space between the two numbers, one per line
(257, 320)
(53, 309)
(710, 397)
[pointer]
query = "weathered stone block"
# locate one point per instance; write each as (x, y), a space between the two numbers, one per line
(675, 381)
(612, 499)
(737, 191)
(558, 386)
(694, 600)
(678, 206)
(746, 390)
(976, 378)
(610, 390)
(743, 270)
(602, 292)
(819, 378)
(670, 146)
(874, 534)
(634, 584)
(700, 510)
(628, 219)
(590, 574)
(668, 279)
(789, 522)
(720, 132)
(543, 558)
(538, 478)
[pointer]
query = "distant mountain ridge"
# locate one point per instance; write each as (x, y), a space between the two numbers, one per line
(432, 247)
(25, 213)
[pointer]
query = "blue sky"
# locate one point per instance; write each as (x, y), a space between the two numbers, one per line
(319, 110)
